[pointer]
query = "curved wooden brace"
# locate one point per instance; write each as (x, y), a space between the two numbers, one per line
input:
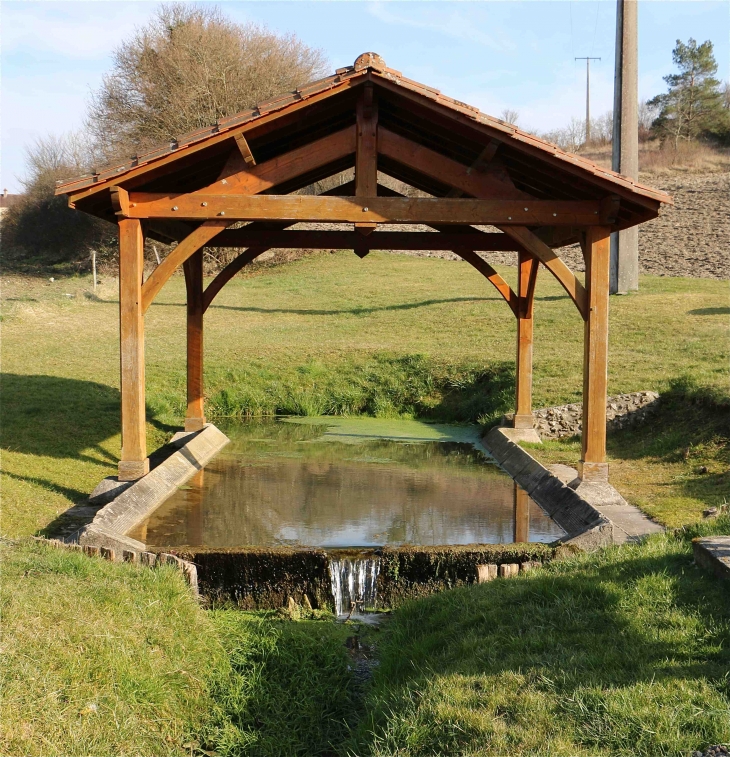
(534, 245)
(229, 272)
(191, 244)
(527, 300)
(494, 278)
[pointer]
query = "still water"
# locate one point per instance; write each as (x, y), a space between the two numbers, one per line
(337, 483)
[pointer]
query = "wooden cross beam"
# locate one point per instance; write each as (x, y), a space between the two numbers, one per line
(347, 240)
(235, 207)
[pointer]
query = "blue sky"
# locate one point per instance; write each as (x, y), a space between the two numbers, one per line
(492, 54)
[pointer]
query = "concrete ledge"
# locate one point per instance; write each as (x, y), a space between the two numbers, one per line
(713, 553)
(113, 522)
(592, 513)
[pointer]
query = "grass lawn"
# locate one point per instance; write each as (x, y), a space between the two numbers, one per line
(620, 653)
(388, 335)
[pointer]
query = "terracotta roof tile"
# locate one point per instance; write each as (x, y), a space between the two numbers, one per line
(366, 64)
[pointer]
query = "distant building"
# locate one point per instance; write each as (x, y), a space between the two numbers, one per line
(7, 201)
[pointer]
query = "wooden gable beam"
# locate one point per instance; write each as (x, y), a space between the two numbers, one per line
(244, 149)
(242, 207)
(378, 240)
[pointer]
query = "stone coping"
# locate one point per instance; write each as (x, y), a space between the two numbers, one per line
(713, 553)
(586, 526)
(112, 523)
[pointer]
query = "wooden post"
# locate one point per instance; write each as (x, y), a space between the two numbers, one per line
(526, 275)
(597, 251)
(366, 158)
(195, 416)
(134, 463)
(522, 515)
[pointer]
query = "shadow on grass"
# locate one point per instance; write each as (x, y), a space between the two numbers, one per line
(709, 311)
(624, 653)
(691, 423)
(59, 417)
(342, 311)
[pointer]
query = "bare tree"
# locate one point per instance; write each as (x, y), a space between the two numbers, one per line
(41, 228)
(510, 116)
(187, 67)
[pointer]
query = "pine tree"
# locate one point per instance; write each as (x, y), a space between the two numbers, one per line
(693, 106)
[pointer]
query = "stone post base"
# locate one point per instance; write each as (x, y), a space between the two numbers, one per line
(131, 470)
(194, 424)
(524, 421)
(592, 471)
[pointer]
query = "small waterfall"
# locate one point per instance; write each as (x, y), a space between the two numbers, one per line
(354, 580)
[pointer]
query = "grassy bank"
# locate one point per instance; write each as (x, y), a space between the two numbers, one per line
(388, 335)
(623, 652)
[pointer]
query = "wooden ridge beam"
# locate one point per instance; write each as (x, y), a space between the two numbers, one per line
(467, 179)
(547, 256)
(378, 240)
(236, 207)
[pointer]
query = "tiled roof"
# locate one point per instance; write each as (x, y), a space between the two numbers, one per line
(373, 65)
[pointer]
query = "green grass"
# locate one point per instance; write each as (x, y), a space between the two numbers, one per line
(100, 658)
(388, 335)
(623, 652)
(620, 653)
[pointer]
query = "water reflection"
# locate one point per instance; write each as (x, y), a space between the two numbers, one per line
(285, 484)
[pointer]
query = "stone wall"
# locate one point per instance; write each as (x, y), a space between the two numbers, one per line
(621, 411)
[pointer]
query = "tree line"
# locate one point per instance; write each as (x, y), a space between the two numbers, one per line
(191, 65)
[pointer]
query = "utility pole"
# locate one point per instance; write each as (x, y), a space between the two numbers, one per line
(625, 244)
(588, 96)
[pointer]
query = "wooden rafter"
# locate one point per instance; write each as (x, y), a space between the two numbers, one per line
(430, 163)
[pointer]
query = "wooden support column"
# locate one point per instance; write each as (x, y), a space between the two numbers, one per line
(597, 251)
(195, 416)
(526, 276)
(521, 515)
(366, 160)
(134, 462)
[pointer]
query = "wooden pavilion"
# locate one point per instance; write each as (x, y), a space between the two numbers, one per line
(477, 171)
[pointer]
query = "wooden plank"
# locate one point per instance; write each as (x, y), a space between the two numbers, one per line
(134, 462)
(593, 466)
(235, 207)
(195, 415)
(378, 240)
(191, 244)
(481, 163)
(244, 149)
(491, 275)
(120, 201)
(526, 277)
(552, 262)
(444, 169)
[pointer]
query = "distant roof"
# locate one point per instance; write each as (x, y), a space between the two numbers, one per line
(409, 108)
(7, 200)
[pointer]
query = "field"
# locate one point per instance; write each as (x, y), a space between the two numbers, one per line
(620, 653)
